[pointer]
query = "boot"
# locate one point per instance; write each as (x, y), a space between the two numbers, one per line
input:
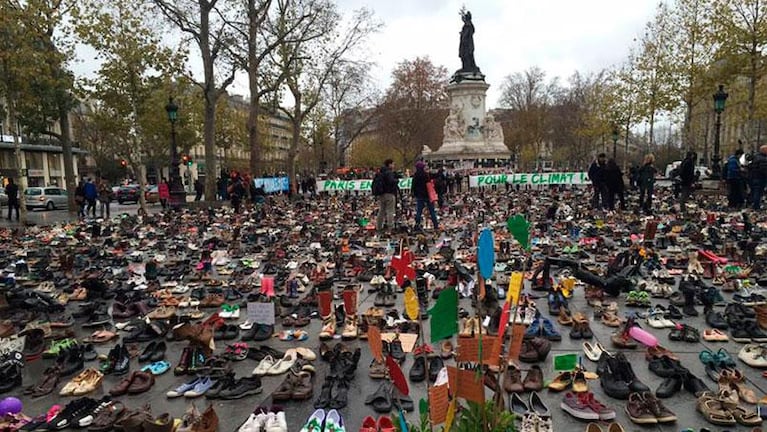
(693, 265)
(350, 308)
(689, 302)
(325, 306)
(423, 297)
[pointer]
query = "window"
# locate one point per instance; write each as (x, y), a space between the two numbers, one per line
(52, 191)
(33, 192)
(54, 160)
(34, 160)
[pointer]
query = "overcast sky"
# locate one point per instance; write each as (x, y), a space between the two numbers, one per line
(560, 36)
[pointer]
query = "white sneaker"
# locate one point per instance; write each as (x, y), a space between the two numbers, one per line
(276, 423)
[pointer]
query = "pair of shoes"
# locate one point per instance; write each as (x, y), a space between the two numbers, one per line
(330, 421)
(265, 422)
(534, 350)
(585, 406)
(543, 327)
(644, 408)
(87, 381)
(383, 424)
(295, 387)
(135, 383)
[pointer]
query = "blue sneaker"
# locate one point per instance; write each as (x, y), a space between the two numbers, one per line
(183, 388)
(550, 331)
(554, 304)
(200, 388)
(534, 329)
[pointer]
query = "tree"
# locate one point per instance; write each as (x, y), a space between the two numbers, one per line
(231, 130)
(742, 28)
(351, 100)
(413, 110)
(654, 68)
(131, 85)
(693, 46)
(308, 64)
(208, 24)
(530, 95)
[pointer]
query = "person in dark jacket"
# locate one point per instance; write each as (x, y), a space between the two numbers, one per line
(440, 185)
(597, 177)
(734, 177)
(646, 183)
(614, 184)
(421, 194)
(387, 198)
(12, 191)
(198, 189)
(687, 179)
(91, 194)
(80, 199)
(758, 177)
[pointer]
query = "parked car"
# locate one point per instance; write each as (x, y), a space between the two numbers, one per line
(49, 198)
(3, 199)
(152, 195)
(128, 193)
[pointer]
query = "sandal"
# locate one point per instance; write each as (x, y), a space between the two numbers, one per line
(714, 412)
(381, 400)
(746, 417)
(101, 336)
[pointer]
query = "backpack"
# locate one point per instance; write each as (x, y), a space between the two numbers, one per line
(378, 187)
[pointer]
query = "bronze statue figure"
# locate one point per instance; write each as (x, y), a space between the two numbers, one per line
(466, 48)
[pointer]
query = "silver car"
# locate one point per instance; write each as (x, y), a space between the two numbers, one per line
(49, 198)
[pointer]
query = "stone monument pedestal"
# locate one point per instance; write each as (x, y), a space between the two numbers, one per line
(470, 134)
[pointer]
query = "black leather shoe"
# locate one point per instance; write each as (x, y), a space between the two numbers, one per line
(716, 320)
(418, 371)
(614, 387)
(669, 387)
(435, 365)
(694, 384)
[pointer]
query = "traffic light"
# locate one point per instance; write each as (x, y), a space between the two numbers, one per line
(124, 163)
(188, 161)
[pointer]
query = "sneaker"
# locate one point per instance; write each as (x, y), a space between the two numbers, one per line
(85, 417)
(602, 410)
(200, 387)
(242, 387)
(550, 331)
(334, 422)
(656, 407)
(183, 388)
(315, 421)
(638, 410)
(276, 422)
(72, 412)
(533, 330)
(577, 407)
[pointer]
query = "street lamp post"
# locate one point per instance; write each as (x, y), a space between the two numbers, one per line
(177, 194)
(720, 97)
(616, 135)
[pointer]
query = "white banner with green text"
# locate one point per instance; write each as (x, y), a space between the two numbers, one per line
(549, 178)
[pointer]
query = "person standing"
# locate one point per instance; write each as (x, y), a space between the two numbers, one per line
(80, 199)
(734, 178)
(163, 193)
(614, 184)
(687, 179)
(385, 191)
(758, 177)
(91, 194)
(597, 177)
(198, 188)
(12, 191)
(646, 183)
(440, 186)
(421, 195)
(104, 198)
(236, 191)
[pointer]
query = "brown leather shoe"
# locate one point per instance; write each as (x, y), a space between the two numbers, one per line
(142, 381)
(162, 423)
(285, 390)
(122, 387)
(534, 379)
(7, 328)
(107, 417)
(512, 380)
(303, 388)
(133, 421)
(208, 421)
(528, 353)
(212, 300)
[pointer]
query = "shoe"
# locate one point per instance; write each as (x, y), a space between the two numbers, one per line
(602, 410)
(334, 421)
(656, 407)
(512, 380)
(418, 370)
(517, 405)
(537, 406)
(315, 422)
(754, 355)
(638, 410)
(578, 407)
(200, 387)
(534, 379)
(550, 331)
(245, 386)
(183, 388)
(669, 387)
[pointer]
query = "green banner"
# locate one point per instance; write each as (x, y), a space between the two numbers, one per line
(363, 185)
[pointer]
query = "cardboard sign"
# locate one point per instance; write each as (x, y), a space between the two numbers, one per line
(261, 313)
(438, 404)
(468, 350)
(467, 384)
(517, 335)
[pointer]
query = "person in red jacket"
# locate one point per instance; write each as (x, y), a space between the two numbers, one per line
(163, 192)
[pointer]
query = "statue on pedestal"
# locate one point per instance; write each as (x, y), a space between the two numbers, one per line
(469, 69)
(454, 125)
(492, 129)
